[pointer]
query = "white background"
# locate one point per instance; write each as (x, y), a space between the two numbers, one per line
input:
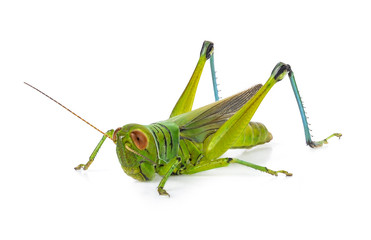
(116, 62)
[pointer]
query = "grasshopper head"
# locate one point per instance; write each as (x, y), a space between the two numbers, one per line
(280, 71)
(136, 151)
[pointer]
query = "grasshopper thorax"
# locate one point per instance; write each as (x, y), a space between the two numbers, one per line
(136, 151)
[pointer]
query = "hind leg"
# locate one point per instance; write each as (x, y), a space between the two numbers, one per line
(185, 102)
(308, 137)
(225, 137)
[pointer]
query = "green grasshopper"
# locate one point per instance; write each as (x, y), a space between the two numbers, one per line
(192, 141)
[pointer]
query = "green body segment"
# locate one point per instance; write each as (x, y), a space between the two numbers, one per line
(254, 134)
(168, 143)
(190, 151)
(166, 136)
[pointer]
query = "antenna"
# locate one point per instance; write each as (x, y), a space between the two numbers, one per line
(68, 110)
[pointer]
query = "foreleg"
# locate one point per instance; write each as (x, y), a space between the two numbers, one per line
(92, 156)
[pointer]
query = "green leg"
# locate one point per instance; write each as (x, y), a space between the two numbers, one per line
(260, 168)
(231, 130)
(223, 162)
(186, 100)
(168, 170)
(92, 156)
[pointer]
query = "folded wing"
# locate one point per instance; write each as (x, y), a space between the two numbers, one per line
(198, 124)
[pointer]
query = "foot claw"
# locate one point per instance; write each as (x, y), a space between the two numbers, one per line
(339, 135)
(315, 144)
(83, 166)
(162, 191)
(285, 172)
(275, 173)
(271, 172)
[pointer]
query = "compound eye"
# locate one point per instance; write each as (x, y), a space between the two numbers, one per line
(140, 139)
